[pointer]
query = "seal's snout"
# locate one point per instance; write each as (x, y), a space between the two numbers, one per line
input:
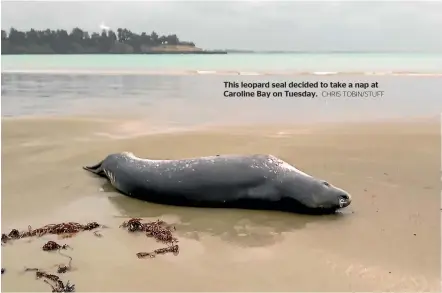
(344, 200)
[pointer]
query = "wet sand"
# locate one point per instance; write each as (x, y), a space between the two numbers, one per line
(387, 240)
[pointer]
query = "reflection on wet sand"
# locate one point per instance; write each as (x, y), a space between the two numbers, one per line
(238, 227)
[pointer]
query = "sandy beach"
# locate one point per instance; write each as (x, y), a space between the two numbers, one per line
(330, 88)
(387, 240)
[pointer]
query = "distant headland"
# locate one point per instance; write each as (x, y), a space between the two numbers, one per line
(79, 41)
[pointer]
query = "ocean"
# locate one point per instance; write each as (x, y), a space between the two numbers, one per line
(181, 91)
(233, 63)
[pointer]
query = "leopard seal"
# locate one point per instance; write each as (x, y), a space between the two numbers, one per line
(222, 181)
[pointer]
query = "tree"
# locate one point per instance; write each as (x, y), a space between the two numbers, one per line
(79, 41)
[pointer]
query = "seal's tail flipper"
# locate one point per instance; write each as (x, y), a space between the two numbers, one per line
(96, 169)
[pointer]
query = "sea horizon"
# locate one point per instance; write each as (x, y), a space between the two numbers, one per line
(231, 63)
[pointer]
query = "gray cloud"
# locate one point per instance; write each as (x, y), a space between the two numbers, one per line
(273, 25)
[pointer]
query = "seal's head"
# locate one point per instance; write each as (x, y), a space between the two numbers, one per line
(313, 195)
(327, 196)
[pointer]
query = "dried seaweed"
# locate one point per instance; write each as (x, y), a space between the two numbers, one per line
(157, 229)
(52, 245)
(173, 249)
(98, 234)
(145, 254)
(58, 229)
(63, 268)
(169, 249)
(56, 284)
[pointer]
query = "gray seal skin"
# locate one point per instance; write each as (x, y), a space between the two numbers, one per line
(223, 181)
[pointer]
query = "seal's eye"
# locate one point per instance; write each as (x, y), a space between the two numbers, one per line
(326, 183)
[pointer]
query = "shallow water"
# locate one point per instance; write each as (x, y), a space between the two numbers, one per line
(236, 63)
(189, 101)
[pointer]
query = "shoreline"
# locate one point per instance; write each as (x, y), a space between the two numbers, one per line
(233, 51)
(216, 72)
(239, 128)
(117, 118)
(153, 52)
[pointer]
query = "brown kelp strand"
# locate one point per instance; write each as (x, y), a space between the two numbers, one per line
(157, 229)
(98, 234)
(170, 249)
(63, 268)
(58, 229)
(145, 254)
(173, 249)
(52, 245)
(54, 281)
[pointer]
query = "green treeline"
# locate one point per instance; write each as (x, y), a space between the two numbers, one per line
(81, 42)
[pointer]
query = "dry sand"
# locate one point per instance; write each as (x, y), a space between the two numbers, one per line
(387, 240)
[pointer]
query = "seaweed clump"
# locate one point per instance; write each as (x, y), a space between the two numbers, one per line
(52, 245)
(169, 249)
(54, 281)
(63, 268)
(58, 229)
(157, 229)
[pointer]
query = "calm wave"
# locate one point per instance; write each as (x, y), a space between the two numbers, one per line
(178, 100)
(230, 64)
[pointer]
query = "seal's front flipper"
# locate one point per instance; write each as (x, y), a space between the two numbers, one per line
(96, 169)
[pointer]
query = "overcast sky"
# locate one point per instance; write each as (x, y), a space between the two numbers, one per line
(272, 25)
